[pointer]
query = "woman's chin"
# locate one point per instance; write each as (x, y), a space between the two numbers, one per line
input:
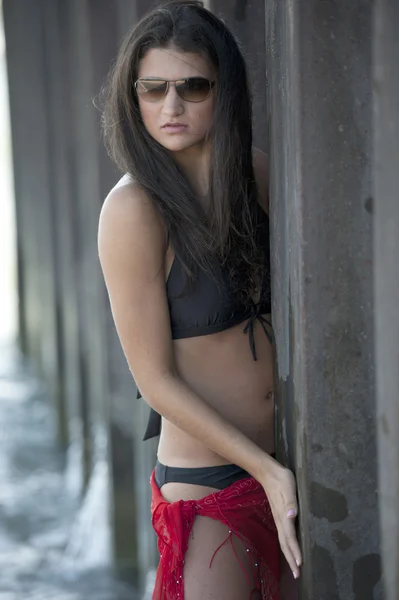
(174, 144)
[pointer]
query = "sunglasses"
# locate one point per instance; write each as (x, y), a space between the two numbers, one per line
(190, 89)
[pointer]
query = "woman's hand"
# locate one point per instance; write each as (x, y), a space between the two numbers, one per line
(279, 485)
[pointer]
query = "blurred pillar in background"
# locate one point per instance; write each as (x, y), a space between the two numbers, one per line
(111, 409)
(65, 211)
(144, 454)
(246, 19)
(319, 101)
(386, 289)
(37, 252)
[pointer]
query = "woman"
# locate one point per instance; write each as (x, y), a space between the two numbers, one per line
(184, 248)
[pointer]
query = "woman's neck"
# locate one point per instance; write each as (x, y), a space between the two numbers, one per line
(194, 163)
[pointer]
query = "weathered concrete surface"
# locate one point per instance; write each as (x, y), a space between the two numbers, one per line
(386, 288)
(319, 64)
(246, 19)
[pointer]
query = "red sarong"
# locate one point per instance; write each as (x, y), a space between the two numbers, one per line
(244, 508)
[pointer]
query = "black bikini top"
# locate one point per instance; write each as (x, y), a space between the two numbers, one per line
(213, 306)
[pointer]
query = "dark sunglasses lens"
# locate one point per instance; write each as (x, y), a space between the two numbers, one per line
(152, 91)
(194, 89)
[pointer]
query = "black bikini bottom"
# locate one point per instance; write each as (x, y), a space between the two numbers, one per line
(218, 477)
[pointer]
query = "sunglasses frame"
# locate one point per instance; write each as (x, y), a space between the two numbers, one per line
(173, 82)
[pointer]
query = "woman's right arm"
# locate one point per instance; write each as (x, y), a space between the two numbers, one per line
(132, 243)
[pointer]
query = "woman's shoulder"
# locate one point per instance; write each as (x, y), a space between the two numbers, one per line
(125, 180)
(126, 194)
(128, 200)
(260, 163)
(128, 217)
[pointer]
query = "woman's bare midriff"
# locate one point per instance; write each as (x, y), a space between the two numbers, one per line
(221, 370)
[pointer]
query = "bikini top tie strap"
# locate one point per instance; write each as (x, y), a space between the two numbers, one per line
(250, 327)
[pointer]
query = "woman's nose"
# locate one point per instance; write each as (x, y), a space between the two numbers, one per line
(172, 103)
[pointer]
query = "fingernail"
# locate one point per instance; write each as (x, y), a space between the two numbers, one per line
(298, 562)
(295, 575)
(291, 513)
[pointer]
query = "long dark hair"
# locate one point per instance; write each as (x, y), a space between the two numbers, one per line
(226, 231)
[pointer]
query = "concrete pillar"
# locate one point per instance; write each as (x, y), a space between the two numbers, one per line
(246, 19)
(19, 59)
(128, 13)
(66, 216)
(106, 24)
(37, 249)
(386, 288)
(77, 115)
(129, 416)
(318, 69)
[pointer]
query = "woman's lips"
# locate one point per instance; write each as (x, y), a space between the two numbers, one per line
(174, 127)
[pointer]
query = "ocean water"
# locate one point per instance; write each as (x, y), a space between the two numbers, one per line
(39, 518)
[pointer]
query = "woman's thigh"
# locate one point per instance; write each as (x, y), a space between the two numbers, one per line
(226, 579)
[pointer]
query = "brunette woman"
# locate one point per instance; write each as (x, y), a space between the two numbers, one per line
(184, 248)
